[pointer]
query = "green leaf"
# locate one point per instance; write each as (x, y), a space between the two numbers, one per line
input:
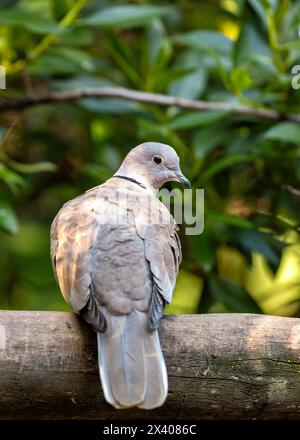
(258, 7)
(206, 139)
(187, 294)
(8, 219)
(118, 17)
(222, 164)
(82, 81)
(284, 131)
(193, 84)
(251, 240)
(155, 36)
(96, 173)
(13, 180)
(232, 295)
(49, 64)
(251, 42)
(204, 247)
(293, 44)
(29, 20)
(124, 56)
(292, 18)
(77, 56)
(38, 167)
(162, 59)
(229, 219)
(148, 128)
(8, 3)
(76, 36)
(164, 78)
(196, 119)
(205, 39)
(59, 8)
(240, 79)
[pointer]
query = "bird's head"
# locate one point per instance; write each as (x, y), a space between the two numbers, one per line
(153, 164)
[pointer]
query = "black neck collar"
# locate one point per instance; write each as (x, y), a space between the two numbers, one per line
(130, 180)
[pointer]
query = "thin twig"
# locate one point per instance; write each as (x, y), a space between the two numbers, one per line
(65, 22)
(292, 190)
(145, 97)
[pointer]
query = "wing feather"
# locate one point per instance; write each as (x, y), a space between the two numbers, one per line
(72, 235)
(163, 252)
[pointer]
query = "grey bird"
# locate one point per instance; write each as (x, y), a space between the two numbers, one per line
(117, 268)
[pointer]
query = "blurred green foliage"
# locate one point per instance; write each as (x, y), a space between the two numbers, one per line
(247, 259)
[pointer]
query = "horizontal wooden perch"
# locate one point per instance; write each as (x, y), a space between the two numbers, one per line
(223, 366)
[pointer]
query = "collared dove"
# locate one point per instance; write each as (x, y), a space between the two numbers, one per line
(117, 268)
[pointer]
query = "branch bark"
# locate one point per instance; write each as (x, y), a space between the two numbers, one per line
(223, 366)
(144, 97)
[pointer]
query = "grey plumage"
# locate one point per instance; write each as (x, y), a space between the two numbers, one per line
(118, 270)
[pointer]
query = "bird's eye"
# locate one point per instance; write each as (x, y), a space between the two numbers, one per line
(157, 160)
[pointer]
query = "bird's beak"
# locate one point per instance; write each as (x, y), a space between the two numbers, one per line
(181, 178)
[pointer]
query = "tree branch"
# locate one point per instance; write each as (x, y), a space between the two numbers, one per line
(220, 366)
(145, 97)
(292, 190)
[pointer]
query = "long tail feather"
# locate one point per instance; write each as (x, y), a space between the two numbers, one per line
(131, 364)
(157, 379)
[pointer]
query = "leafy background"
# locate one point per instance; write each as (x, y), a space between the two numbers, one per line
(239, 52)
